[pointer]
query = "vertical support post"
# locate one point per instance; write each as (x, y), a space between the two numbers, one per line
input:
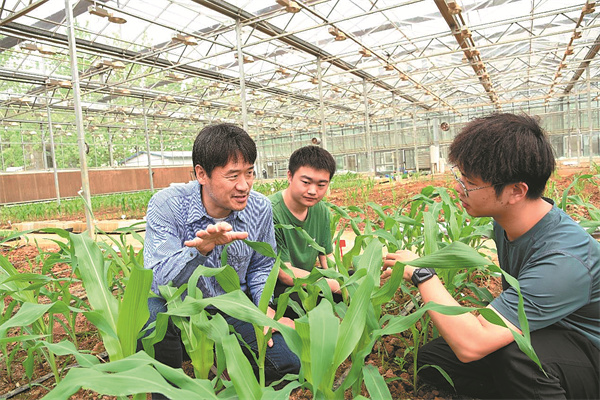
(2, 154)
(368, 138)
(162, 147)
(150, 173)
(434, 149)
(570, 127)
(414, 118)
(321, 103)
(578, 121)
(85, 182)
(238, 34)
(396, 135)
(589, 110)
(52, 150)
(44, 153)
(23, 148)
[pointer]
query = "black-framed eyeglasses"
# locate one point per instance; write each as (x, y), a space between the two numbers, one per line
(457, 176)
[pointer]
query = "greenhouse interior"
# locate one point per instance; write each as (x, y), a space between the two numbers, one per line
(383, 85)
(102, 211)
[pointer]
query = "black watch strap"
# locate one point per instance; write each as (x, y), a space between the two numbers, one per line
(421, 275)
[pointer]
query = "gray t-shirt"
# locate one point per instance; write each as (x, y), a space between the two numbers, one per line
(557, 264)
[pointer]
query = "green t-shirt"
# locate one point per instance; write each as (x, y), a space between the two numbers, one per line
(291, 246)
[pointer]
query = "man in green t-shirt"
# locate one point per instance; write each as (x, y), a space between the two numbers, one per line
(309, 172)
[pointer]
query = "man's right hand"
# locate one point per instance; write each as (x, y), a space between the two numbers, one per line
(213, 235)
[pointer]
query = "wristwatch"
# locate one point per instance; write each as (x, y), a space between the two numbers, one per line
(421, 275)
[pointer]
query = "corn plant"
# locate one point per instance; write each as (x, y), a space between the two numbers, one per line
(35, 316)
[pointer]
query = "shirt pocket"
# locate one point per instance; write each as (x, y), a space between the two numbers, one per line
(238, 256)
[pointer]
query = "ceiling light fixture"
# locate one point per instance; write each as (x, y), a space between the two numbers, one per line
(108, 63)
(569, 50)
(174, 76)
(165, 97)
(365, 52)
(28, 46)
(339, 35)
(453, 7)
(188, 40)
(588, 8)
(282, 71)
(46, 49)
(60, 83)
(120, 91)
(290, 5)
(247, 59)
(42, 48)
(104, 13)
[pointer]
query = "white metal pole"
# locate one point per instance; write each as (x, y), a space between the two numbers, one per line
(52, 151)
(151, 178)
(589, 110)
(85, 182)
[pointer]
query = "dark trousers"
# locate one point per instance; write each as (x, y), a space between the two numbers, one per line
(569, 359)
(279, 359)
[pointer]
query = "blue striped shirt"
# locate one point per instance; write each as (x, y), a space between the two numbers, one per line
(176, 213)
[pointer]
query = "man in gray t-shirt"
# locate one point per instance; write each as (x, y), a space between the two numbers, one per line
(501, 164)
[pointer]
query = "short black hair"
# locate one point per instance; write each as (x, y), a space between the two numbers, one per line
(505, 148)
(314, 157)
(218, 144)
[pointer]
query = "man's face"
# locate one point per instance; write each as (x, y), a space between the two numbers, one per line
(227, 189)
(308, 185)
(481, 200)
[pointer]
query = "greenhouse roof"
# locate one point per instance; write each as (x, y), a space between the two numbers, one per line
(306, 64)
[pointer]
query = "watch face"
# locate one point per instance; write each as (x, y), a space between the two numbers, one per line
(420, 275)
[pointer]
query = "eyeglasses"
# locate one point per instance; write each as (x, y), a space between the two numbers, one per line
(457, 176)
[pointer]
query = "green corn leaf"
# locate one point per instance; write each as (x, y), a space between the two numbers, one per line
(91, 268)
(262, 248)
(237, 305)
(372, 260)
(375, 383)
(383, 234)
(310, 241)
(30, 313)
(21, 338)
(267, 293)
(68, 348)
(323, 325)
(104, 326)
(455, 255)
(240, 370)
(430, 233)
(133, 311)
(141, 379)
(351, 328)
(228, 279)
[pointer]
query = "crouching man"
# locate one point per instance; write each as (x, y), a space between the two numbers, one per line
(501, 165)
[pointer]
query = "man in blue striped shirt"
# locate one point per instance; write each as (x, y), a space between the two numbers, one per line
(188, 225)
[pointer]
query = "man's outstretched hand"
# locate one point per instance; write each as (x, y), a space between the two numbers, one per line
(213, 235)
